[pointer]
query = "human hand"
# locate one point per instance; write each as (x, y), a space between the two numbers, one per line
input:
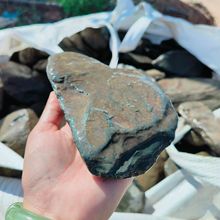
(56, 181)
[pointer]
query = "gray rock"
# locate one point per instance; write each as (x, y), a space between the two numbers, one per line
(204, 154)
(203, 121)
(133, 201)
(120, 120)
(15, 129)
(30, 56)
(194, 139)
(190, 11)
(24, 85)
(93, 42)
(156, 74)
(15, 69)
(153, 73)
(213, 104)
(180, 63)
(96, 38)
(196, 89)
(41, 65)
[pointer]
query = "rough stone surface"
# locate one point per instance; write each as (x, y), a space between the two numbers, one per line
(133, 201)
(121, 120)
(213, 104)
(153, 175)
(41, 65)
(30, 56)
(24, 85)
(183, 89)
(153, 73)
(181, 63)
(15, 69)
(212, 6)
(194, 139)
(93, 42)
(156, 74)
(202, 120)
(15, 129)
(190, 12)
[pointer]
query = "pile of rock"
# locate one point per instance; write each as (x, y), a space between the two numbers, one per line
(24, 88)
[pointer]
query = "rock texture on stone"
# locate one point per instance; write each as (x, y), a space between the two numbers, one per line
(203, 121)
(22, 84)
(121, 121)
(93, 42)
(30, 56)
(16, 127)
(156, 74)
(178, 8)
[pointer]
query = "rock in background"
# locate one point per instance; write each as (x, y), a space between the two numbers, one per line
(153, 175)
(15, 128)
(133, 201)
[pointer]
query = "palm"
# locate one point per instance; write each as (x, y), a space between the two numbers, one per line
(56, 180)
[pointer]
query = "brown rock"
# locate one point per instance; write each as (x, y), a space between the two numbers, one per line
(133, 201)
(202, 120)
(213, 104)
(156, 74)
(41, 65)
(153, 175)
(204, 154)
(183, 10)
(96, 38)
(15, 129)
(121, 120)
(93, 42)
(24, 85)
(30, 56)
(213, 7)
(15, 69)
(196, 89)
(194, 139)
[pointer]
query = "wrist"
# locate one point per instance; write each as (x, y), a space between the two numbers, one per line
(18, 212)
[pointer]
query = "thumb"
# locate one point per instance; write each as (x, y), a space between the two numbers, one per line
(52, 115)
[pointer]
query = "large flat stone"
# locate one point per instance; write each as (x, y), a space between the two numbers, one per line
(15, 128)
(195, 89)
(120, 119)
(24, 85)
(203, 121)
